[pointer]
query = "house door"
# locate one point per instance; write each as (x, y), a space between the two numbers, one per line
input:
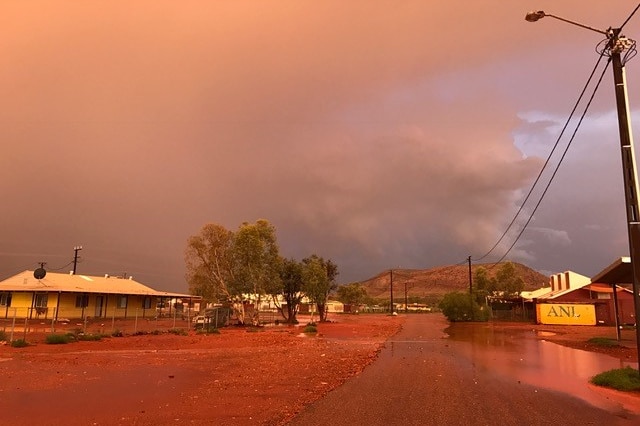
(99, 303)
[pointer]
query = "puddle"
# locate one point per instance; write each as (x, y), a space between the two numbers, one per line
(519, 355)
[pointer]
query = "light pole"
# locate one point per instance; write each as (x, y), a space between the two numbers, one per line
(615, 46)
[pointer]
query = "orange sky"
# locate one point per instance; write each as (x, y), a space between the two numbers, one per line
(378, 134)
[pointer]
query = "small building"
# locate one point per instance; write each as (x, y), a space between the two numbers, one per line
(574, 299)
(56, 296)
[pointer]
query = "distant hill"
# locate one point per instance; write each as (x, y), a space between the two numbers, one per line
(435, 282)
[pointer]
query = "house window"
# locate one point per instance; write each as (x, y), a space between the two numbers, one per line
(5, 299)
(146, 303)
(82, 301)
(41, 300)
(122, 302)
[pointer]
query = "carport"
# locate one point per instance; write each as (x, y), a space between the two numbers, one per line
(619, 272)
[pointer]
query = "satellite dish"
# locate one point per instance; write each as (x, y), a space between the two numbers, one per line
(39, 273)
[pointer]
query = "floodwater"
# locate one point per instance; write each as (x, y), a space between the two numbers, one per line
(520, 355)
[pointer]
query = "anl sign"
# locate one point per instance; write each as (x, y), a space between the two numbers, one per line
(568, 314)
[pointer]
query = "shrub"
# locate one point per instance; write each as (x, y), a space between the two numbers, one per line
(117, 333)
(20, 343)
(57, 339)
(3, 336)
(311, 328)
(178, 332)
(89, 337)
(208, 331)
(624, 379)
(458, 306)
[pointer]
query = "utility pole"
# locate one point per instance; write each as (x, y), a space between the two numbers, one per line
(616, 44)
(76, 249)
(391, 289)
(470, 289)
(406, 297)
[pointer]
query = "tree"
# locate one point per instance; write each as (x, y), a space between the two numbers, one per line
(319, 280)
(352, 294)
(483, 285)
(226, 266)
(257, 261)
(209, 263)
(291, 278)
(508, 282)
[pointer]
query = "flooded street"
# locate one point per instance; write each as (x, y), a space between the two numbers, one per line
(520, 355)
(472, 374)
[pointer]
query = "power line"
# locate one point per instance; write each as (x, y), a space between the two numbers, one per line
(584, 113)
(630, 16)
(546, 163)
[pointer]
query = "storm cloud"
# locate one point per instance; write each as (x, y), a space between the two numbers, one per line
(378, 134)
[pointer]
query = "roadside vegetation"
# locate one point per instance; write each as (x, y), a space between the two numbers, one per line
(623, 379)
(224, 266)
(604, 342)
(474, 306)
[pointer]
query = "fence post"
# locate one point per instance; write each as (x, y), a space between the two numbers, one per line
(13, 324)
(53, 320)
(135, 323)
(113, 321)
(84, 328)
(24, 334)
(175, 311)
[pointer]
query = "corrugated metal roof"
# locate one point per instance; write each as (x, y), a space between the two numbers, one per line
(68, 283)
(555, 294)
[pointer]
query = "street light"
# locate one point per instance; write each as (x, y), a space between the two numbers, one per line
(615, 46)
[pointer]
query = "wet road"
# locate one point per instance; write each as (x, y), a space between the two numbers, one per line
(422, 377)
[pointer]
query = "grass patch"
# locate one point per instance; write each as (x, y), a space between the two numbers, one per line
(57, 339)
(208, 331)
(311, 328)
(178, 332)
(20, 343)
(623, 379)
(604, 342)
(89, 337)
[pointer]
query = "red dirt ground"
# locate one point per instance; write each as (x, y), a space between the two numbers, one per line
(239, 376)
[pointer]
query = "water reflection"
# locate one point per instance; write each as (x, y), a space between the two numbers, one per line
(517, 354)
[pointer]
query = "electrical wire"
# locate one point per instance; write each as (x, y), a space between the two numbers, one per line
(60, 268)
(630, 16)
(546, 163)
(584, 113)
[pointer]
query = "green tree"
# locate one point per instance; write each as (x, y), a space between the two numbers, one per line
(483, 285)
(352, 294)
(209, 264)
(291, 277)
(257, 261)
(319, 280)
(226, 266)
(507, 282)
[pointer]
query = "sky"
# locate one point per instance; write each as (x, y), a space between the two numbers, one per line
(378, 134)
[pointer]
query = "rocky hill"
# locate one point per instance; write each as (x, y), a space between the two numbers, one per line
(433, 283)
